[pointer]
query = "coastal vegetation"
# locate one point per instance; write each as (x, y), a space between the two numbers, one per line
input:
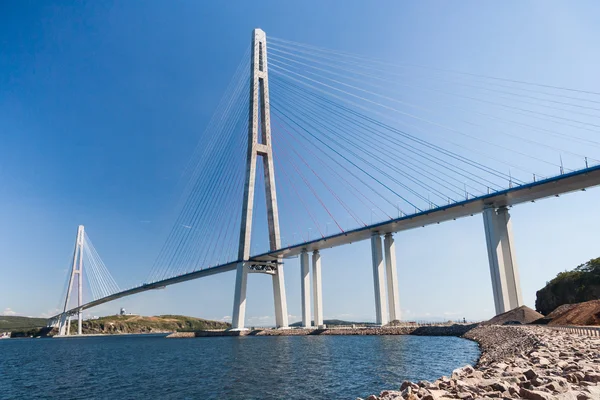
(16, 323)
(579, 285)
(114, 324)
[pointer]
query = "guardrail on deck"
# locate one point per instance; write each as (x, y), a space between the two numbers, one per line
(580, 330)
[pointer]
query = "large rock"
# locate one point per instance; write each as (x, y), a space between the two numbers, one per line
(535, 394)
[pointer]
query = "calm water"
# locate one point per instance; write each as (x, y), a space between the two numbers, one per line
(290, 367)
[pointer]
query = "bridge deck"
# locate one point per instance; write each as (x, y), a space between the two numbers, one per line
(555, 186)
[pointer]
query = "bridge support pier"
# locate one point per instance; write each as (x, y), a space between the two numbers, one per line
(305, 289)
(62, 324)
(379, 280)
(503, 264)
(239, 299)
(317, 289)
(392, 277)
(281, 314)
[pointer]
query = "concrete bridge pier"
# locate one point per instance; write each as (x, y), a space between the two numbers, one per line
(317, 288)
(503, 264)
(239, 299)
(392, 277)
(281, 313)
(62, 324)
(379, 280)
(305, 289)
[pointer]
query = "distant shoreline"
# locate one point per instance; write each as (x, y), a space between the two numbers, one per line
(112, 334)
(427, 330)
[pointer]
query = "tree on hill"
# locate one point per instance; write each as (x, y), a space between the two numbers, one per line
(576, 286)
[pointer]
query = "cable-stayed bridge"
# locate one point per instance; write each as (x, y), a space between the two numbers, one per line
(361, 149)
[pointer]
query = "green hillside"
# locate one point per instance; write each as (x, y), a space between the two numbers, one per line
(10, 323)
(139, 324)
(569, 287)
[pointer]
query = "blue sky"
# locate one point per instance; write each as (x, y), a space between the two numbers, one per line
(102, 103)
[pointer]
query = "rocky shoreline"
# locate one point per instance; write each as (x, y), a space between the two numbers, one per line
(517, 362)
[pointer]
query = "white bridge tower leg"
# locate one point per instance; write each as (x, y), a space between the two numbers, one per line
(259, 110)
(503, 264)
(305, 289)
(239, 299)
(392, 277)
(317, 289)
(62, 324)
(64, 327)
(379, 280)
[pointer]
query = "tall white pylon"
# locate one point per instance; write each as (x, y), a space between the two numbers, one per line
(259, 111)
(76, 269)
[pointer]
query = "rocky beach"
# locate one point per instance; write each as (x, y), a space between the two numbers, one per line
(517, 362)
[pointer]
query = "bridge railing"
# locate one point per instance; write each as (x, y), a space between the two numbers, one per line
(580, 330)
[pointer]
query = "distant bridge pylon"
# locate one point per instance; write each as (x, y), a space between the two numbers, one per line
(100, 283)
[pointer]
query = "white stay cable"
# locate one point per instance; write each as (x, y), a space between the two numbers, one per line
(105, 280)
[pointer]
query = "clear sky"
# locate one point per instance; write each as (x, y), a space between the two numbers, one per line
(102, 103)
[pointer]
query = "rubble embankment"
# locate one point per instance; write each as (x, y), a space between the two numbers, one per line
(517, 362)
